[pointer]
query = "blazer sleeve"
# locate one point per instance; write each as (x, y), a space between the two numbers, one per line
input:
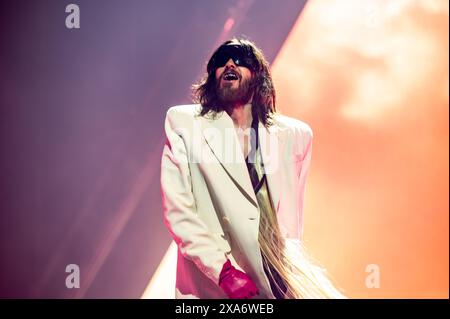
(307, 138)
(188, 230)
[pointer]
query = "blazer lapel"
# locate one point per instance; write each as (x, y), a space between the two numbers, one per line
(220, 135)
(269, 143)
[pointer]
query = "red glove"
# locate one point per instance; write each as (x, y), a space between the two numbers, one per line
(235, 283)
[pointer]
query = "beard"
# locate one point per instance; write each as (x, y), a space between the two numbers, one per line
(228, 96)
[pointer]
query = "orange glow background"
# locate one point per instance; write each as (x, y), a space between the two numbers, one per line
(371, 79)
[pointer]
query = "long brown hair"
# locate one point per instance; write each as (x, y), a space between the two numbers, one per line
(263, 102)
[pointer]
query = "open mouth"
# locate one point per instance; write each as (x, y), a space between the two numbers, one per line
(230, 76)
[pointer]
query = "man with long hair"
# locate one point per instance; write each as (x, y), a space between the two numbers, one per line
(233, 176)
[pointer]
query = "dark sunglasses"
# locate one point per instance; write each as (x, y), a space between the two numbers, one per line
(239, 55)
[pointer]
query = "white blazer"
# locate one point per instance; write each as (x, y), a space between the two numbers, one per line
(209, 204)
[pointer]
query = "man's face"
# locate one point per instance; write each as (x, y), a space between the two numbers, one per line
(233, 84)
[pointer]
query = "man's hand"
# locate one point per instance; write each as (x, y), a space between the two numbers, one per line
(235, 283)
